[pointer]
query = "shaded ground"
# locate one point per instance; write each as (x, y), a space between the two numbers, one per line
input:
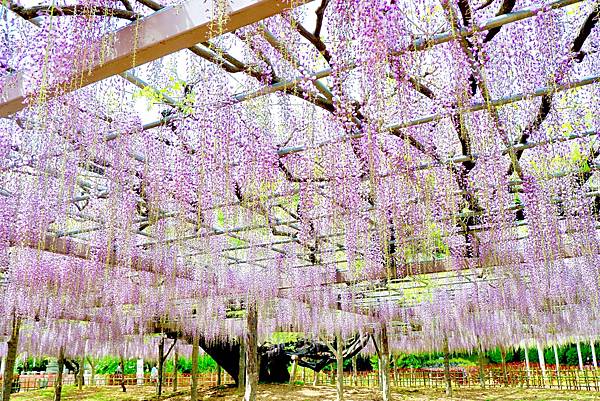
(310, 393)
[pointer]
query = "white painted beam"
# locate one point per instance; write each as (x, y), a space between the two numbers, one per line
(164, 32)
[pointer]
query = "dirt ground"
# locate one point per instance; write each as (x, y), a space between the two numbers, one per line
(309, 393)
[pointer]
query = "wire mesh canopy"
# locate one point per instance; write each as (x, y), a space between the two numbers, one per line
(426, 165)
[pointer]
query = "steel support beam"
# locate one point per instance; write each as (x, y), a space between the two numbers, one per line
(164, 32)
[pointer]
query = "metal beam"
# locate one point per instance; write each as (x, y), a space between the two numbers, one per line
(164, 32)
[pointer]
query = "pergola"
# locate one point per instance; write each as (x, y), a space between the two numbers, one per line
(422, 170)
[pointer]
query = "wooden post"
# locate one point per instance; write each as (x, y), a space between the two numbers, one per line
(594, 360)
(503, 360)
(447, 368)
(481, 362)
(251, 352)
(11, 357)
(59, 375)
(385, 364)
(161, 360)
(219, 375)
(354, 371)
(242, 371)
(527, 367)
(339, 356)
(579, 357)
(294, 368)
(542, 361)
(175, 360)
(316, 378)
(194, 386)
(556, 360)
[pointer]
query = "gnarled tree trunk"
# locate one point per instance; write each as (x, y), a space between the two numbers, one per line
(59, 375)
(11, 356)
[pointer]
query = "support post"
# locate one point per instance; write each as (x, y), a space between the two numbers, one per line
(339, 357)
(527, 366)
(594, 360)
(579, 357)
(11, 357)
(447, 377)
(385, 363)
(59, 375)
(139, 372)
(175, 361)
(251, 352)
(294, 368)
(161, 359)
(481, 363)
(556, 360)
(503, 359)
(194, 386)
(219, 374)
(542, 361)
(242, 370)
(354, 372)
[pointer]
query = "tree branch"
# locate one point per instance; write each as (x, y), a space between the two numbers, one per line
(320, 14)
(36, 11)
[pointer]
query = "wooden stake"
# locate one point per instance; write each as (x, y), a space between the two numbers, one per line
(175, 360)
(294, 368)
(594, 360)
(540, 350)
(354, 372)
(194, 386)
(481, 361)
(447, 368)
(579, 357)
(556, 361)
(251, 352)
(161, 360)
(339, 356)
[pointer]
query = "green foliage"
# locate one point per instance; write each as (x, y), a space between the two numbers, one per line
(108, 365)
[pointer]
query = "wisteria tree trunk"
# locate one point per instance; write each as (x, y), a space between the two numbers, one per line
(251, 352)
(384, 347)
(447, 369)
(194, 387)
(219, 374)
(11, 357)
(59, 375)
(80, 373)
(122, 362)
(339, 356)
(92, 371)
